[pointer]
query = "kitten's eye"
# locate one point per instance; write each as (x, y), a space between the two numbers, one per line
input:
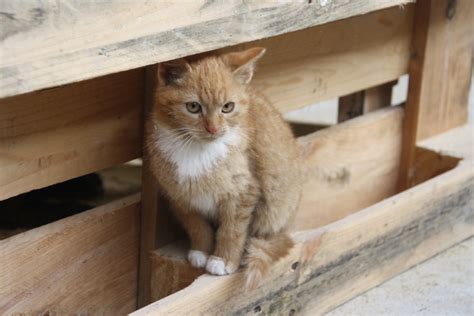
(193, 107)
(228, 107)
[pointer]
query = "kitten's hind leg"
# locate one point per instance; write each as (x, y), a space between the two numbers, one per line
(201, 235)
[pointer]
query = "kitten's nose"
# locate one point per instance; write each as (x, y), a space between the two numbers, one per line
(211, 130)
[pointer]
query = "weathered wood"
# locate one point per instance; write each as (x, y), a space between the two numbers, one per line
(350, 166)
(328, 61)
(334, 263)
(447, 75)
(170, 270)
(154, 207)
(440, 73)
(84, 264)
(149, 205)
(57, 134)
(365, 101)
(50, 43)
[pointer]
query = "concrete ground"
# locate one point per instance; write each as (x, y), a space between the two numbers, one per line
(442, 285)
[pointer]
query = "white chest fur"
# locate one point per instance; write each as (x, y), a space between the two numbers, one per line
(191, 158)
(205, 204)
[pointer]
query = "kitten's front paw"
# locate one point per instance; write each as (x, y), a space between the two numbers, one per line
(197, 258)
(217, 266)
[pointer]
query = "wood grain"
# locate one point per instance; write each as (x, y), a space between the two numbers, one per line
(327, 61)
(157, 224)
(350, 166)
(57, 134)
(49, 43)
(440, 74)
(447, 75)
(84, 264)
(170, 270)
(334, 263)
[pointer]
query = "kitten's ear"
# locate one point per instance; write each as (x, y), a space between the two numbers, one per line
(242, 64)
(172, 71)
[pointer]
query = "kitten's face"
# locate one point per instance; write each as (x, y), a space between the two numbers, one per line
(205, 103)
(204, 100)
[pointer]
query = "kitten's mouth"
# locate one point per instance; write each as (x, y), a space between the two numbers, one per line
(212, 137)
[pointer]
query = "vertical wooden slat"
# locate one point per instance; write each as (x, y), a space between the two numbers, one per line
(365, 101)
(446, 78)
(158, 226)
(439, 70)
(416, 68)
(148, 221)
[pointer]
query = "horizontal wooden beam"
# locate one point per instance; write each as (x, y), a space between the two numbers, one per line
(54, 135)
(84, 264)
(49, 43)
(327, 61)
(334, 263)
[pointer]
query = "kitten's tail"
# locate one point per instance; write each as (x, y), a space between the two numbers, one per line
(261, 253)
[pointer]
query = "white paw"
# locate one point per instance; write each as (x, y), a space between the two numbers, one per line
(197, 258)
(216, 266)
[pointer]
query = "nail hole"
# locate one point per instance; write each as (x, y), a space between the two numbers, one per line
(295, 265)
(257, 309)
(292, 312)
(310, 1)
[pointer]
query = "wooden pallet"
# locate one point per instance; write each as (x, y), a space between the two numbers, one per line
(387, 187)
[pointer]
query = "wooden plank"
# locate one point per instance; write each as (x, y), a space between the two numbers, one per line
(350, 166)
(440, 72)
(365, 101)
(149, 206)
(171, 271)
(155, 210)
(50, 43)
(83, 264)
(334, 263)
(335, 59)
(57, 134)
(446, 78)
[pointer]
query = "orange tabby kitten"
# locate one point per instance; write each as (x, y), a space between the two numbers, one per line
(226, 159)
